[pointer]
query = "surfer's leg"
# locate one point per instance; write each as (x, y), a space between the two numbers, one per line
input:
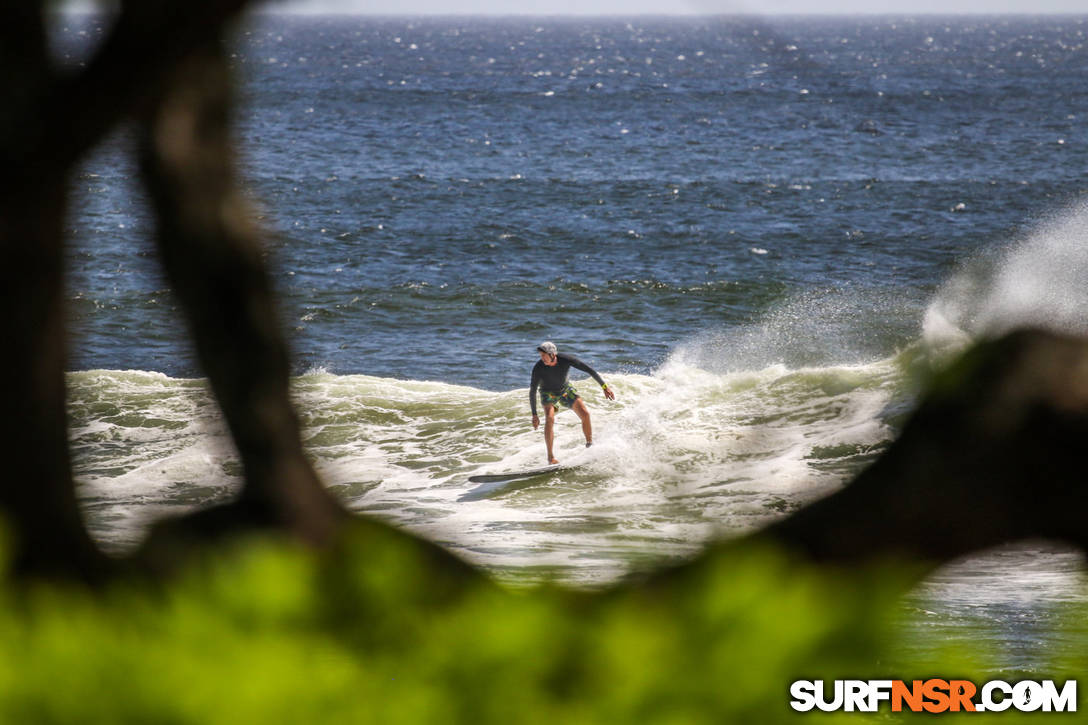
(580, 408)
(549, 431)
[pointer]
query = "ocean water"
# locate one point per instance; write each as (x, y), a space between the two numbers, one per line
(761, 232)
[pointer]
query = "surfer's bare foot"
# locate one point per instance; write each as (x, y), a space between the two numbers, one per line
(552, 461)
(589, 443)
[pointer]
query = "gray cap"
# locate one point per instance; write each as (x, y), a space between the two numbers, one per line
(548, 347)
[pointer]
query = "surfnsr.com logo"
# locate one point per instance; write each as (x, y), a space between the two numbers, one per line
(933, 695)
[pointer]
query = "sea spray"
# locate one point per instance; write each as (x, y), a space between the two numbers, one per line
(1039, 281)
(814, 327)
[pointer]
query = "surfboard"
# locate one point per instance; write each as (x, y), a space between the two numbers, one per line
(493, 484)
(515, 475)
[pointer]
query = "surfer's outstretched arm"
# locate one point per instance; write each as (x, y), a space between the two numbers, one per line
(579, 365)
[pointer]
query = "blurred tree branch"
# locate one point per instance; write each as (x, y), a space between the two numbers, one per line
(992, 454)
(162, 62)
(71, 110)
(212, 255)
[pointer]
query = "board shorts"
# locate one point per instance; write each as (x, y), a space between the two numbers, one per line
(565, 398)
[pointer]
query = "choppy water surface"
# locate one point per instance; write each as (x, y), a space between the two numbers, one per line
(756, 231)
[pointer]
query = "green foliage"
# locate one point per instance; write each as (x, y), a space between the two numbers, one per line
(385, 631)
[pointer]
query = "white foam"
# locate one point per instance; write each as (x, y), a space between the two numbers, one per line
(679, 457)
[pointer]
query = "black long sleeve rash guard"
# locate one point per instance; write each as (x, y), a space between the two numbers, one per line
(553, 378)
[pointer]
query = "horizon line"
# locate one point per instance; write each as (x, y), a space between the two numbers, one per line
(269, 8)
(679, 15)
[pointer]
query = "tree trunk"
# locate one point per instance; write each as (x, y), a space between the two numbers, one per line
(37, 493)
(213, 258)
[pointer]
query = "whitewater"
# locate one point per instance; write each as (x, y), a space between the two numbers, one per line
(681, 457)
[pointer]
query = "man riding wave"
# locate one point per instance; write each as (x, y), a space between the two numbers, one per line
(550, 374)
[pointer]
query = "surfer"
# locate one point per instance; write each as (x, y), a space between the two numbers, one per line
(550, 375)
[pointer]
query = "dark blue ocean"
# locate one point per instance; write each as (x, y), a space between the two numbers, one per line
(759, 230)
(440, 195)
